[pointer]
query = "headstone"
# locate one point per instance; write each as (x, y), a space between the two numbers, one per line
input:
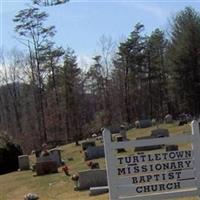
(143, 123)
(153, 121)
(94, 135)
(123, 132)
(23, 162)
(46, 167)
(53, 155)
(172, 148)
(98, 190)
(94, 152)
(147, 148)
(182, 122)
(137, 124)
(168, 119)
(33, 167)
(92, 178)
(160, 132)
(87, 144)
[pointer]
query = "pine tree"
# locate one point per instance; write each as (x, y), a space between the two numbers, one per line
(71, 79)
(184, 54)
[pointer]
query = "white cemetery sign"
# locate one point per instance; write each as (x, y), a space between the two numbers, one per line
(159, 175)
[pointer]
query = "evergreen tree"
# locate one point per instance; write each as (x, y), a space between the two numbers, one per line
(184, 55)
(156, 73)
(71, 79)
(129, 61)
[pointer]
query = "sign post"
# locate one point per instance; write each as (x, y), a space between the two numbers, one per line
(158, 175)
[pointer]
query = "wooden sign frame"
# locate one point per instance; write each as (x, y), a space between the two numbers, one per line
(168, 176)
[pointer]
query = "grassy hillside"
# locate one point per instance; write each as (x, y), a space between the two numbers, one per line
(14, 185)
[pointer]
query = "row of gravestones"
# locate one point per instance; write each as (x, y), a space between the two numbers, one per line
(147, 122)
(91, 151)
(44, 164)
(157, 133)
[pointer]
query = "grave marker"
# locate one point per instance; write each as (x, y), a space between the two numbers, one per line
(94, 152)
(159, 175)
(91, 178)
(23, 162)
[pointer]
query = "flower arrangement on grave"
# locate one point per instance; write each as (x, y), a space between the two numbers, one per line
(93, 165)
(65, 169)
(31, 196)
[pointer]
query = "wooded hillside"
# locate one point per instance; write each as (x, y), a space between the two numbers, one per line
(46, 96)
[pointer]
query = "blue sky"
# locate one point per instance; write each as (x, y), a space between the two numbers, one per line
(80, 23)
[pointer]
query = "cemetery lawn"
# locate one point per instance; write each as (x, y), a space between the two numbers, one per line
(15, 185)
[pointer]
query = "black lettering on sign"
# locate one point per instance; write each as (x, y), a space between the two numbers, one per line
(163, 176)
(144, 168)
(177, 185)
(173, 165)
(128, 160)
(178, 174)
(188, 162)
(121, 171)
(154, 188)
(142, 179)
(139, 189)
(168, 156)
(150, 157)
(158, 156)
(169, 186)
(165, 156)
(136, 169)
(136, 159)
(171, 175)
(143, 158)
(120, 160)
(156, 167)
(158, 187)
(146, 188)
(162, 187)
(166, 166)
(135, 180)
(172, 155)
(156, 177)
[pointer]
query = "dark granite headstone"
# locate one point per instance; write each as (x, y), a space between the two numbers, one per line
(91, 178)
(87, 144)
(94, 152)
(172, 148)
(46, 167)
(147, 148)
(160, 132)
